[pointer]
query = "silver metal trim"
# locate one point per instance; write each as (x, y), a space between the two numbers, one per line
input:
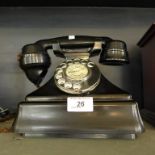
(105, 97)
(86, 136)
(33, 58)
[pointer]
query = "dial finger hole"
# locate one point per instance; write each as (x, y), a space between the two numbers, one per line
(90, 64)
(68, 85)
(61, 81)
(58, 76)
(63, 65)
(84, 62)
(59, 71)
(76, 86)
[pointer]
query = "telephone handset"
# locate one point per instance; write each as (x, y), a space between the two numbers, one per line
(77, 74)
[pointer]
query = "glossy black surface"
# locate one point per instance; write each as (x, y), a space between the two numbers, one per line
(50, 89)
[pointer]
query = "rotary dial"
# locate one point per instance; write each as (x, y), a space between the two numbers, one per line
(77, 76)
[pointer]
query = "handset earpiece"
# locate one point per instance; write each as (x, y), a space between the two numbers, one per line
(114, 53)
(35, 62)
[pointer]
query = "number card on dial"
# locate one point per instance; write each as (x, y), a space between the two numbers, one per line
(80, 104)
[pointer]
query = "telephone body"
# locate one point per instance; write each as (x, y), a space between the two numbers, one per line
(44, 111)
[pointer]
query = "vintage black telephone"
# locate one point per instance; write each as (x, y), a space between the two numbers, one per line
(77, 76)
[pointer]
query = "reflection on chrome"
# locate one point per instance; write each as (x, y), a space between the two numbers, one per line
(33, 58)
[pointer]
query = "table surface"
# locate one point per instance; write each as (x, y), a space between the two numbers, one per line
(11, 143)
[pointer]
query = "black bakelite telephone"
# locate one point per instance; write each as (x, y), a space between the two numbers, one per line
(77, 74)
(78, 101)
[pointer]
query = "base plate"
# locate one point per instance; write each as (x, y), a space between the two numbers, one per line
(110, 119)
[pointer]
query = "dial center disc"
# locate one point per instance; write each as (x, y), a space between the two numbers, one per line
(76, 71)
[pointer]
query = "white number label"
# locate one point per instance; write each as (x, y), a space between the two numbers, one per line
(71, 37)
(80, 104)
